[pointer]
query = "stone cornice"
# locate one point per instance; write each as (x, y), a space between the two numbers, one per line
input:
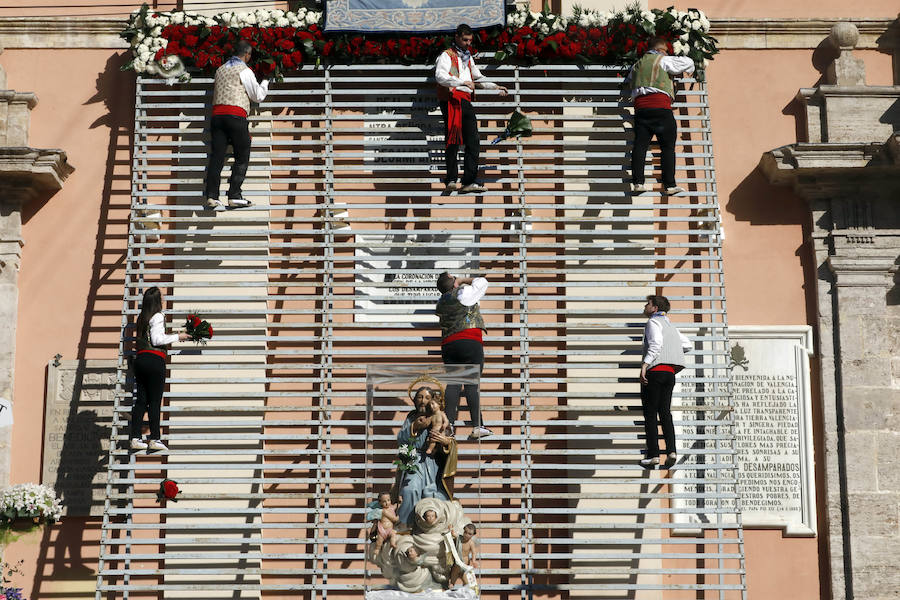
(792, 33)
(80, 32)
(29, 173)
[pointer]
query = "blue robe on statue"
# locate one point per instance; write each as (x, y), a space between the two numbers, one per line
(426, 481)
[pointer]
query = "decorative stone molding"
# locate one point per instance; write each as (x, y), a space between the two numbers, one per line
(26, 174)
(848, 170)
(751, 34)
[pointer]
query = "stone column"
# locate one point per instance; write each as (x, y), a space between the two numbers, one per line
(848, 170)
(26, 174)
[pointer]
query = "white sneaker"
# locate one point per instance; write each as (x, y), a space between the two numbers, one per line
(640, 188)
(480, 432)
(138, 444)
(647, 461)
(452, 186)
(213, 204)
(239, 203)
(472, 188)
(675, 189)
(157, 445)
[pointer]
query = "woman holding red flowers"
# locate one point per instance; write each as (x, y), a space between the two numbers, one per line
(150, 369)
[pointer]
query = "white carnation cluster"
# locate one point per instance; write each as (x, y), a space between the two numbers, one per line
(30, 500)
(262, 17)
(692, 19)
(148, 40)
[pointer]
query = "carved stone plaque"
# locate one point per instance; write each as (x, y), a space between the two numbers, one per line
(77, 419)
(401, 267)
(772, 433)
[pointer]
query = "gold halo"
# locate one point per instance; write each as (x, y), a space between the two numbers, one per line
(424, 379)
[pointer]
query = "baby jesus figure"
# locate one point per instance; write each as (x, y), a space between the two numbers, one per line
(438, 421)
(384, 525)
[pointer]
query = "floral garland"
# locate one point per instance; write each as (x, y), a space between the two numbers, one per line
(166, 43)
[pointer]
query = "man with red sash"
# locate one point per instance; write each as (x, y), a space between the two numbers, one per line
(235, 87)
(663, 357)
(653, 91)
(462, 343)
(457, 77)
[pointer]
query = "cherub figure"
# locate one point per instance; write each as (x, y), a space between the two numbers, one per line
(466, 552)
(439, 423)
(385, 519)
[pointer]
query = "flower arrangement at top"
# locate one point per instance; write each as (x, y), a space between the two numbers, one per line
(163, 42)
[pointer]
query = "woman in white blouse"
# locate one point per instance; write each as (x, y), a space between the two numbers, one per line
(150, 369)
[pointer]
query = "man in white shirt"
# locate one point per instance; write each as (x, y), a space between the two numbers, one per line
(662, 357)
(235, 87)
(462, 343)
(652, 90)
(457, 77)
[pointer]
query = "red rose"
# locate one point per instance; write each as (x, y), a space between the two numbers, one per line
(297, 57)
(191, 40)
(170, 488)
(284, 44)
(327, 48)
(210, 331)
(313, 28)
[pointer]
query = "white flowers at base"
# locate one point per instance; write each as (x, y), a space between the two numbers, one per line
(30, 500)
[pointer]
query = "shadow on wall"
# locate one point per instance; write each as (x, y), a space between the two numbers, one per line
(60, 563)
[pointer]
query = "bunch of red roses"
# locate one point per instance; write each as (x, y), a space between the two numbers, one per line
(282, 49)
(198, 329)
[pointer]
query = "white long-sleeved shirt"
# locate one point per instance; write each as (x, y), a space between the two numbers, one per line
(673, 65)
(256, 91)
(466, 73)
(469, 295)
(654, 338)
(158, 335)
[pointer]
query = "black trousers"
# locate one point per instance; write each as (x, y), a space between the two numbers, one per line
(227, 129)
(656, 397)
(150, 376)
(649, 122)
(470, 141)
(463, 352)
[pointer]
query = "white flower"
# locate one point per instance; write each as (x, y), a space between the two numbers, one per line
(679, 49)
(649, 16)
(684, 37)
(543, 28)
(312, 17)
(155, 32)
(178, 17)
(282, 22)
(704, 23)
(696, 25)
(584, 20)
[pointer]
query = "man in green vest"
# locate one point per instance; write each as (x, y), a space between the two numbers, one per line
(652, 90)
(457, 77)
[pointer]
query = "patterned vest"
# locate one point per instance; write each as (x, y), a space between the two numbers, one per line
(443, 93)
(671, 352)
(229, 89)
(648, 72)
(144, 343)
(454, 316)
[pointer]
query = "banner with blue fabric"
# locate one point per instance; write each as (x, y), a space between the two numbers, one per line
(411, 16)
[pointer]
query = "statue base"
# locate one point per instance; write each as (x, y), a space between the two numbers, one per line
(459, 593)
